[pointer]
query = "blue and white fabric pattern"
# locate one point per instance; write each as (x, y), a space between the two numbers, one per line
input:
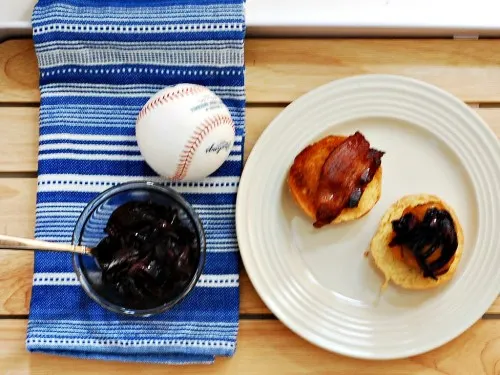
(99, 62)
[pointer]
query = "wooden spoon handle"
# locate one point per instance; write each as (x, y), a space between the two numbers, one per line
(19, 243)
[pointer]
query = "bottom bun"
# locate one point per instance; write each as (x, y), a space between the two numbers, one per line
(393, 268)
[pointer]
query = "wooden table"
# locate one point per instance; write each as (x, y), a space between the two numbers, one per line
(278, 71)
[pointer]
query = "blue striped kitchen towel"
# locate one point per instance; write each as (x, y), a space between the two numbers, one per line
(99, 62)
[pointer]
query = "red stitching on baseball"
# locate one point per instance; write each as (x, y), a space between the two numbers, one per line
(166, 98)
(187, 154)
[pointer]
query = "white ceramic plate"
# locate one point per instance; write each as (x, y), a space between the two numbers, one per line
(318, 282)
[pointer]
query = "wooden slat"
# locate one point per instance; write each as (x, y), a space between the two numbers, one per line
(266, 347)
(17, 218)
(17, 206)
(19, 140)
(16, 279)
(18, 72)
(281, 70)
(19, 129)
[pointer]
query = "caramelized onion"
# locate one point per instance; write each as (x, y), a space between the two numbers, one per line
(424, 237)
(149, 254)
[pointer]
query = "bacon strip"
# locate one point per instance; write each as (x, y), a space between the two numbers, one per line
(346, 172)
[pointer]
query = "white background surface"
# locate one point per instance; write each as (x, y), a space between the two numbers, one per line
(337, 17)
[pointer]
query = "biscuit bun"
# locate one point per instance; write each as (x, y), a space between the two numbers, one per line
(304, 175)
(391, 265)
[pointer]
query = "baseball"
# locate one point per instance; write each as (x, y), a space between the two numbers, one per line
(185, 132)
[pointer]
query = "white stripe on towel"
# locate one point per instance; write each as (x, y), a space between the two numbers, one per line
(70, 279)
